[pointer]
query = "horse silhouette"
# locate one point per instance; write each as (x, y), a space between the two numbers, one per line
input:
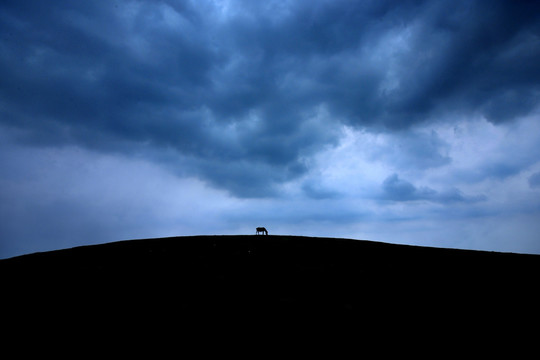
(261, 230)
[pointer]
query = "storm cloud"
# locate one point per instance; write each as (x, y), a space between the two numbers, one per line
(255, 100)
(397, 189)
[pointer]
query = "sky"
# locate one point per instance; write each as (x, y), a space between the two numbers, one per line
(410, 122)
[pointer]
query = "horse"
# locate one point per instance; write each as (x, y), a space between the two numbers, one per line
(261, 230)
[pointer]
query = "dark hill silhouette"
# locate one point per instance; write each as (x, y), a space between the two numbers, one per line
(257, 277)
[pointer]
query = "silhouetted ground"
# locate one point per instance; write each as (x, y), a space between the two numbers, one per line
(264, 278)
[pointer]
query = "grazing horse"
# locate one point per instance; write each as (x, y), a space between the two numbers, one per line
(261, 230)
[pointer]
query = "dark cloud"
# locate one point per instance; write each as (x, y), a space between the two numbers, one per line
(396, 189)
(464, 57)
(236, 91)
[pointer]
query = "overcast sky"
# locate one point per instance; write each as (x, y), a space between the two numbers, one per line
(412, 122)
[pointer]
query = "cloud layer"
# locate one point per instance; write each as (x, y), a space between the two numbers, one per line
(409, 103)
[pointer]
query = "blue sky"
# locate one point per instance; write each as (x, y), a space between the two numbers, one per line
(410, 122)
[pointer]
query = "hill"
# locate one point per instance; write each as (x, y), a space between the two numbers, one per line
(266, 276)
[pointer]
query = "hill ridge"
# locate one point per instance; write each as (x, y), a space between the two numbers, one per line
(276, 274)
(273, 236)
